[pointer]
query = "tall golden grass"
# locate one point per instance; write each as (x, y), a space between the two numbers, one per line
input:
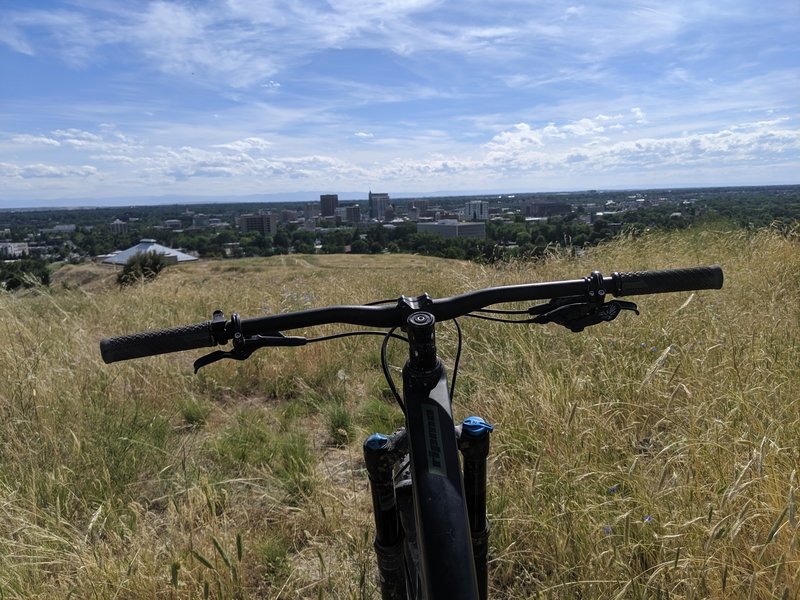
(651, 457)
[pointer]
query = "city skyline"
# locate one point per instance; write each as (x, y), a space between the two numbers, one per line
(104, 100)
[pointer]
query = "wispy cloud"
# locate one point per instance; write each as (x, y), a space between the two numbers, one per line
(251, 144)
(37, 171)
(34, 140)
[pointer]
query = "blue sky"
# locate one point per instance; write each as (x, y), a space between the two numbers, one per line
(106, 98)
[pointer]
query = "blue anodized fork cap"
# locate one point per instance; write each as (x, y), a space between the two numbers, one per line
(377, 441)
(476, 427)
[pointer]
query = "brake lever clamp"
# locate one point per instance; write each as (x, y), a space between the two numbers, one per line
(217, 324)
(594, 287)
(240, 351)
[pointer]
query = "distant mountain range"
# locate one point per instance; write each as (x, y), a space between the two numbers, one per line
(11, 204)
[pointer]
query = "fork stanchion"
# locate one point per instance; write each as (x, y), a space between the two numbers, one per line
(473, 442)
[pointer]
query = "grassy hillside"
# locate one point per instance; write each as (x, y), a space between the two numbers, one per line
(651, 457)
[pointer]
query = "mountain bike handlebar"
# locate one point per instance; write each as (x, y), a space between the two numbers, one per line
(218, 331)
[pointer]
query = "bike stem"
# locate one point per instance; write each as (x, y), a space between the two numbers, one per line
(438, 488)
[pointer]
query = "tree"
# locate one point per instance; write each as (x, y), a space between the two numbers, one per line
(359, 247)
(281, 242)
(523, 237)
(23, 273)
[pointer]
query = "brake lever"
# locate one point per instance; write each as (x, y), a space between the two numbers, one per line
(244, 347)
(576, 316)
(214, 357)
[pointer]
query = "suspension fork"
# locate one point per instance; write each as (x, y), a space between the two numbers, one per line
(381, 454)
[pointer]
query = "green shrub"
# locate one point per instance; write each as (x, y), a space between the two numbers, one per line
(340, 425)
(142, 266)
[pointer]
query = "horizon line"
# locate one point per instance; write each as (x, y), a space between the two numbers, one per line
(274, 197)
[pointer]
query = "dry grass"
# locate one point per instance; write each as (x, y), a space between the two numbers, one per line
(652, 457)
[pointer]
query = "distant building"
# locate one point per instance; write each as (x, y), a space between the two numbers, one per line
(14, 249)
(451, 228)
(143, 247)
(476, 210)
(263, 223)
(353, 213)
(378, 203)
(200, 220)
(350, 213)
(289, 216)
(118, 226)
(60, 229)
(311, 210)
(546, 209)
(328, 204)
(173, 224)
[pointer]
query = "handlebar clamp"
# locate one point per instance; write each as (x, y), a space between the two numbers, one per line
(410, 305)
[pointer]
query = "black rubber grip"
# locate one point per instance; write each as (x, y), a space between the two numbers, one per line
(150, 343)
(670, 280)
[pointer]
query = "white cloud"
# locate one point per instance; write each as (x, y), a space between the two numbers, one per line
(37, 171)
(27, 139)
(583, 127)
(520, 138)
(584, 149)
(641, 119)
(523, 136)
(251, 144)
(108, 141)
(77, 135)
(573, 12)
(751, 143)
